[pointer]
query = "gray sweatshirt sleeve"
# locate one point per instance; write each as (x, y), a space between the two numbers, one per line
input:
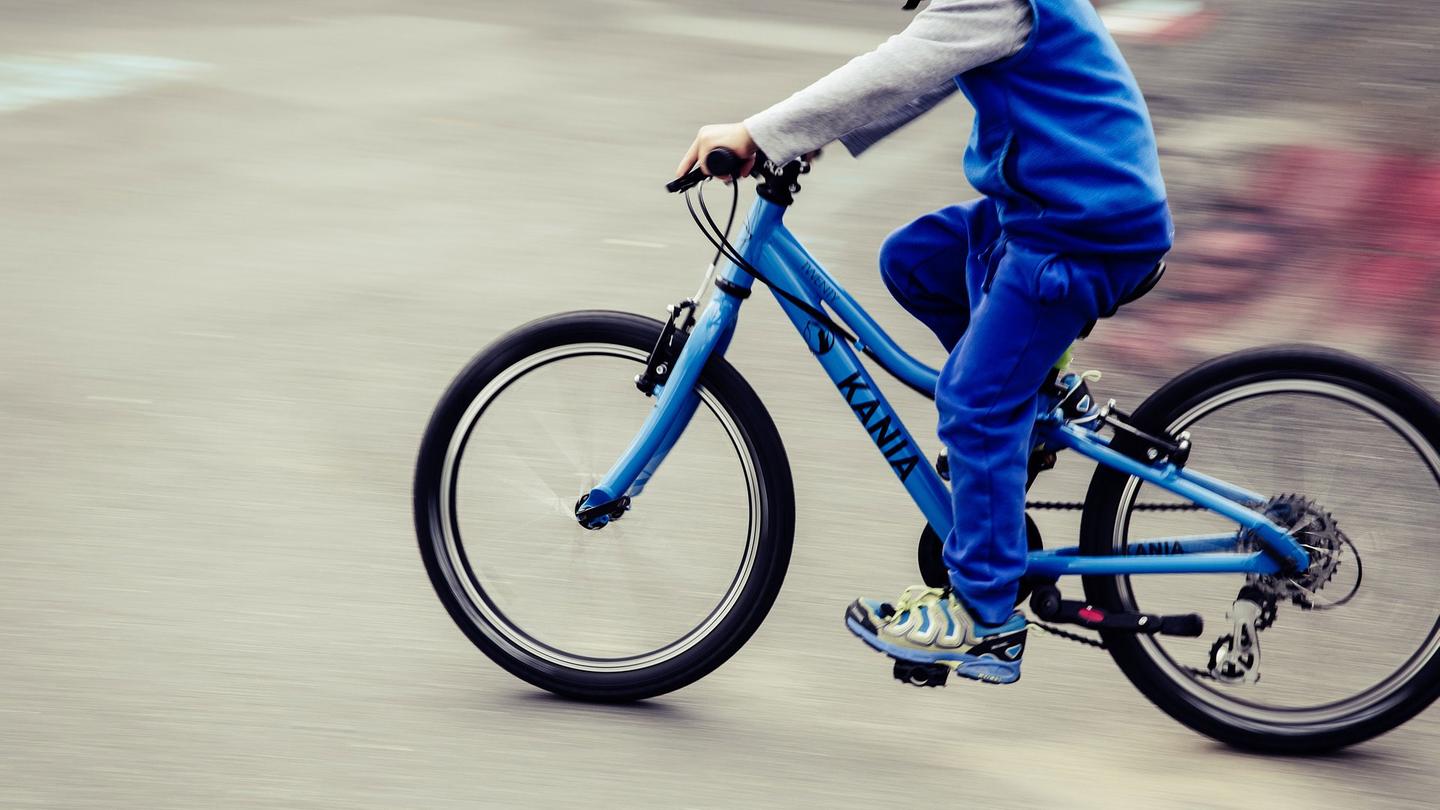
(867, 135)
(879, 92)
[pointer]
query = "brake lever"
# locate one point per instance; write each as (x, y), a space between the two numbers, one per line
(689, 181)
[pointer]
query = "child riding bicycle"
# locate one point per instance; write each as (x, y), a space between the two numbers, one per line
(1073, 217)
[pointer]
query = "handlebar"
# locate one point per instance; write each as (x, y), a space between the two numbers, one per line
(719, 163)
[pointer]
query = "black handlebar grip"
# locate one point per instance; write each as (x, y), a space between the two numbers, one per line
(719, 163)
(723, 163)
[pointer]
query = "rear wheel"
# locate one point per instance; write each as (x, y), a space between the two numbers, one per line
(660, 596)
(1315, 430)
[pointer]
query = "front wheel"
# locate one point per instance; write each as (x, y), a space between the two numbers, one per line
(1349, 454)
(660, 596)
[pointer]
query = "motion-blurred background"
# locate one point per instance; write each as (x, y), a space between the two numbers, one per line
(244, 246)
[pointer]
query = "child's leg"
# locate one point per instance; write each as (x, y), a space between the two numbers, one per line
(925, 264)
(1034, 308)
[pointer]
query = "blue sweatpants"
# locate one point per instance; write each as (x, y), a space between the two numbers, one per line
(1005, 313)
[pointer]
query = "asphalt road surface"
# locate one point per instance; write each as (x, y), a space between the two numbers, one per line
(244, 247)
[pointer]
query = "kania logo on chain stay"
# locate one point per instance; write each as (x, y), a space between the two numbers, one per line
(1162, 548)
(877, 422)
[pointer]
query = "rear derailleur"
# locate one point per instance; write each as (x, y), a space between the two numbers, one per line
(1235, 657)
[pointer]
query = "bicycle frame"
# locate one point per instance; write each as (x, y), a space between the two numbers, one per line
(768, 245)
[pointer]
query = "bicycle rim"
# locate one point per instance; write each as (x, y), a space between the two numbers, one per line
(641, 591)
(1357, 458)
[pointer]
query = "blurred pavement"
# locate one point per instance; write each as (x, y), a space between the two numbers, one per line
(244, 247)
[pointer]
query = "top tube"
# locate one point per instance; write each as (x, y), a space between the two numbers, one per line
(874, 341)
(765, 228)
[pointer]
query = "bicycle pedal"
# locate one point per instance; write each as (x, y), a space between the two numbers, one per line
(921, 674)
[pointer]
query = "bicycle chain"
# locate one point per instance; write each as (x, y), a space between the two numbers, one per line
(1065, 634)
(1086, 641)
(1139, 507)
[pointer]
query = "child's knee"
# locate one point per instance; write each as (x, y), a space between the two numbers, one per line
(897, 265)
(924, 259)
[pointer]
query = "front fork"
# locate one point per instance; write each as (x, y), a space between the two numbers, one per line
(672, 379)
(663, 360)
(676, 395)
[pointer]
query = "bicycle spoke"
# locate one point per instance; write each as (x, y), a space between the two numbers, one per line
(1348, 455)
(632, 589)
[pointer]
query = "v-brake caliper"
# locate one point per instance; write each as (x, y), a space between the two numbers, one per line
(667, 349)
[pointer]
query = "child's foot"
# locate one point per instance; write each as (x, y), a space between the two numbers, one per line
(932, 626)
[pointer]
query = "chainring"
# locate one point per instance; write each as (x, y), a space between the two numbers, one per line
(933, 571)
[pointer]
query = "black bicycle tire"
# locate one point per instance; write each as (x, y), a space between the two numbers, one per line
(1103, 501)
(776, 505)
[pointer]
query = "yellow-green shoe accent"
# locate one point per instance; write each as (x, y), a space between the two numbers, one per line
(931, 626)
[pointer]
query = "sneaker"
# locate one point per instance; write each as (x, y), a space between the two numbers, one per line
(932, 626)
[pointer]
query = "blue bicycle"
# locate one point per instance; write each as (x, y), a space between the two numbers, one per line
(614, 544)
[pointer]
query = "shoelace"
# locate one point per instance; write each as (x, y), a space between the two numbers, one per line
(918, 595)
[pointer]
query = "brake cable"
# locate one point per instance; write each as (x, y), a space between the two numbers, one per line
(719, 251)
(725, 249)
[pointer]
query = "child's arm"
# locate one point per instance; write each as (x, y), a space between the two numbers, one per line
(887, 87)
(862, 138)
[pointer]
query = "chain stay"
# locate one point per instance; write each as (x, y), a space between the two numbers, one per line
(1079, 505)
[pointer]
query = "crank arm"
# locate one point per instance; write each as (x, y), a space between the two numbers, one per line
(1048, 605)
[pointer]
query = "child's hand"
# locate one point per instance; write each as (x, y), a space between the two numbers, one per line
(734, 137)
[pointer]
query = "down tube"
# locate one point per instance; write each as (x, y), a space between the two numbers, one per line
(858, 388)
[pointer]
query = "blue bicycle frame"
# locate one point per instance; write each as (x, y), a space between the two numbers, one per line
(771, 249)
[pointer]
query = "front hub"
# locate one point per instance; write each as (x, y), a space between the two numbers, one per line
(598, 517)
